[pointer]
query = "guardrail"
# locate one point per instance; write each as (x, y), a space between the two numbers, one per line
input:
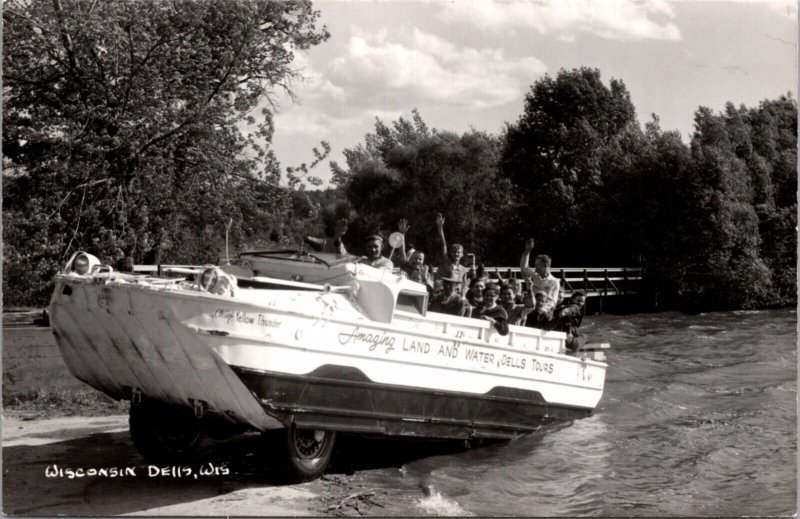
(594, 281)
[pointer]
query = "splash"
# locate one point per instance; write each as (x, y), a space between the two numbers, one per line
(434, 504)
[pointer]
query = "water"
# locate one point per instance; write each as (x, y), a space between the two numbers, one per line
(699, 417)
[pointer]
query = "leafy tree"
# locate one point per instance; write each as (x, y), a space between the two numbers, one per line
(408, 170)
(554, 154)
(120, 127)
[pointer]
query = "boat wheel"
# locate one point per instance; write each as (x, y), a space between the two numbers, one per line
(309, 443)
(308, 452)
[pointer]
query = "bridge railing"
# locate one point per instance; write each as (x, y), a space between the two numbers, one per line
(594, 281)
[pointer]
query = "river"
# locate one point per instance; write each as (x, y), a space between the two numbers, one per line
(699, 418)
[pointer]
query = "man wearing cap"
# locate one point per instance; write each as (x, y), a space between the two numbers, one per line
(373, 245)
(450, 301)
(539, 279)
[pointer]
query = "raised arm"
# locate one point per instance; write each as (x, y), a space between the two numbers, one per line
(338, 232)
(523, 261)
(440, 228)
(402, 228)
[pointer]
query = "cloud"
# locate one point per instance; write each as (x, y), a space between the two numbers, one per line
(609, 19)
(413, 65)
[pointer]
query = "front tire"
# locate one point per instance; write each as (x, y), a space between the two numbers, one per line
(164, 434)
(304, 453)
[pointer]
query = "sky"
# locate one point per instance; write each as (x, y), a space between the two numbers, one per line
(468, 63)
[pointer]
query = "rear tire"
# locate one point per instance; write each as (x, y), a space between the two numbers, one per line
(304, 453)
(164, 434)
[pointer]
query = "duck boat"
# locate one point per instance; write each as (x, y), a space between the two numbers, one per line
(284, 351)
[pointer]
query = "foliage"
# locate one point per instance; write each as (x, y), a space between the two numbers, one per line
(407, 170)
(713, 222)
(120, 128)
(556, 154)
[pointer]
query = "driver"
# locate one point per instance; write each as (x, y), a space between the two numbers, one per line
(373, 245)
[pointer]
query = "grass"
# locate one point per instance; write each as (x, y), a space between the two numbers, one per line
(46, 403)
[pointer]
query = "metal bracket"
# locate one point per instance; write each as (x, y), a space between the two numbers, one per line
(198, 408)
(136, 396)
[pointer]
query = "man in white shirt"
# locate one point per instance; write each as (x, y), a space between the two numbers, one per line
(373, 247)
(539, 278)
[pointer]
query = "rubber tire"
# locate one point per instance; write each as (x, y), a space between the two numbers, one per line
(164, 434)
(298, 466)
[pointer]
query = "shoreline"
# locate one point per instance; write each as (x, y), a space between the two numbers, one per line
(46, 466)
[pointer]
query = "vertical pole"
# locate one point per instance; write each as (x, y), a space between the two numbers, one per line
(624, 281)
(605, 289)
(585, 281)
(563, 282)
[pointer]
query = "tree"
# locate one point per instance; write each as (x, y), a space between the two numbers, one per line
(554, 154)
(120, 126)
(407, 170)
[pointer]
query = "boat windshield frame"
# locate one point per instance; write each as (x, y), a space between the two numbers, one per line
(329, 259)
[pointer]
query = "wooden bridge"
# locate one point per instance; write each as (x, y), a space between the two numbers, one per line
(601, 282)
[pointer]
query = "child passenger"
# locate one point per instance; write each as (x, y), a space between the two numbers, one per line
(493, 312)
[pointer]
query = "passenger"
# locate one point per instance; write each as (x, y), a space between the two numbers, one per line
(493, 312)
(413, 264)
(373, 246)
(516, 286)
(438, 290)
(450, 266)
(540, 318)
(332, 244)
(540, 278)
(475, 293)
(80, 265)
(416, 270)
(517, 313)
(214, 281)
(450, 301)
(569, 317)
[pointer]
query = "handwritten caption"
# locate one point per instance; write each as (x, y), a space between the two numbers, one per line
(238, 317)
(151, 471)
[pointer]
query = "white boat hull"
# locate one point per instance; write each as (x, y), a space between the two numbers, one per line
(269, 358)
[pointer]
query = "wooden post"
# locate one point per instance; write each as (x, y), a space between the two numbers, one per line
(624, 281)
(585, 281)
(563, 282)
(605, 289)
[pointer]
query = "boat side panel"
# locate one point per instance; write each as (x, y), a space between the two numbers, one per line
(116, 338)
(97, 303)
(68, 324)
(70, 352)
(344, 399)
(190, 362)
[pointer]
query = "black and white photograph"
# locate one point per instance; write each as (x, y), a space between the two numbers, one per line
(399, 258)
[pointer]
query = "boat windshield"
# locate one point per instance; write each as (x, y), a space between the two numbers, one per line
(328, 259)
